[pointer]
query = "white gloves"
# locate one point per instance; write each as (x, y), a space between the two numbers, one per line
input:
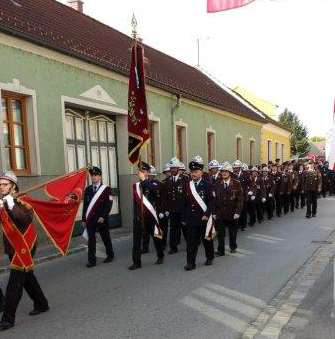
(167, 214)
(263, 199)
(253, 198)
(236, 216)
(270, 195)
(161, 215)
(10, 201)
(250, 193)
(214, 216)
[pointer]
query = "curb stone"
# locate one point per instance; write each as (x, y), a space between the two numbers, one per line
(282, 307)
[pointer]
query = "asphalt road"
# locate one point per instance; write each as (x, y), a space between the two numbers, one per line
(109, 301)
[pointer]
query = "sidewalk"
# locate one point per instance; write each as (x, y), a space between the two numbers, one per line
(49, 252)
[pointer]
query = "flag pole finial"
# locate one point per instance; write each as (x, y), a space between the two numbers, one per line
(134, 27)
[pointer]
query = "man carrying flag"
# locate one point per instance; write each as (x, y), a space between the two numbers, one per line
(20, 239)
(223, 5)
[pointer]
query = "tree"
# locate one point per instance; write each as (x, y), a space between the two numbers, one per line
(300, 144)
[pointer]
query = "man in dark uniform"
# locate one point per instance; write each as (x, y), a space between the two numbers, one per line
(157, 186)
(146, 216)
(98, 202)
(164, 220)
(198, 209)
(312, 184)
(285, 188)
(276, 176)
(228, 207)
(269, 189)
(174, 199)
(292, 185)
(326, 178)
(241, 174)
(299, 193)
(256, 197)
(214, 175)
(20, 237)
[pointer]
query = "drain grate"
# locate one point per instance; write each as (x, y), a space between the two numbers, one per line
(323, 242)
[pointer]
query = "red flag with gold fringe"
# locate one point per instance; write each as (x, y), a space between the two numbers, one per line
(138, 124)
(57, 216)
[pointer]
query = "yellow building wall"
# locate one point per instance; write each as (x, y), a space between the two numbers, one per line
(275, 137)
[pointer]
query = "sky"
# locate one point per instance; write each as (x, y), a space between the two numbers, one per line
(281, 50)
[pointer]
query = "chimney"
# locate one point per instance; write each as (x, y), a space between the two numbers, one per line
(78, 5)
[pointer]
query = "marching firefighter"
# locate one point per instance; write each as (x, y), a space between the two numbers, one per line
(241, 174)
(146, 216)
(312, 184)
(198, 209)
(174, 198)
(256, 197)
(156, 184)
(98, 202)
(20, 238)
(228, 207)
(269, 189)
(214, 175)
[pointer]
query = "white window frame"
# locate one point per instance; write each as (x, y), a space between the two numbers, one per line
(239, 136)
(33, 134)
(212, 131)
(182, 124)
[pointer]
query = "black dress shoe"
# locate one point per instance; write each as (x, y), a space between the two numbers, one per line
(308, 216)
(145, 251)
(314, 215)
(209, 262)
(5, 325)
(189, 267)
(219, 254)
(91, 264)
(233, 250)
(173, 251)
(108, 259)
(159, 261)
(134, 267)
(38, 311)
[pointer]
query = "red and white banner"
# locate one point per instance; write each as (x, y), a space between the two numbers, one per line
(223, 5)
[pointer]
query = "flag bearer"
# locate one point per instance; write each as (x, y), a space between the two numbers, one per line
(20, 238)
(146, 216)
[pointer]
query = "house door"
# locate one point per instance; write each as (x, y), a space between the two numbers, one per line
(91, 140)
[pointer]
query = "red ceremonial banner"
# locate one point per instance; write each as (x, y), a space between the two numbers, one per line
(138, 125)
(223, 5)
(58, 216)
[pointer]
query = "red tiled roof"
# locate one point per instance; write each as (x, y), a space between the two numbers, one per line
(56, 26)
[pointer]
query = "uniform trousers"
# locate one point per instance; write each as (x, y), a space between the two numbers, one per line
(312, 202)
(286, 199)
(138, 232)
(255, 209)
(269, 206)
(232, 227)
(164, 224)
(279, 204)
(292, 200)
(302, 200)
(243, 217)
(2, 300)
(195, 236)
(19, 280)
(176, 227)
(92, 241)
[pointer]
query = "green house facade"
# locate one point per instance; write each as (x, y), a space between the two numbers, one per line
(64, 103)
